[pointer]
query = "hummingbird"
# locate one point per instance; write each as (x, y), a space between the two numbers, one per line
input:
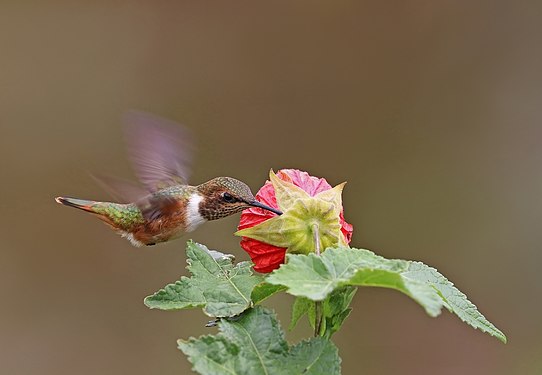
(166, 207)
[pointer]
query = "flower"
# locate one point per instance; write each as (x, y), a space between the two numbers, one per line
(309, 203)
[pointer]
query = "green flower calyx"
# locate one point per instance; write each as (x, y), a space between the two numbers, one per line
(307, 224)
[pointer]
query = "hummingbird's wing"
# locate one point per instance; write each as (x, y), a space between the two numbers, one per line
(161, 150)
(154, 207)
(122, 190)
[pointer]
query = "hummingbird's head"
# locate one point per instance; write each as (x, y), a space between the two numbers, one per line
(224, 196)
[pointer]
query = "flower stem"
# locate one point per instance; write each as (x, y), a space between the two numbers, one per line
(318, 315)
(316, 235)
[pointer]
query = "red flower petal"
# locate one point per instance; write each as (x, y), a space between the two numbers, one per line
(266, 257)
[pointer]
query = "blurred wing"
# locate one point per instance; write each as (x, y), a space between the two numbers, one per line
(152, 206)
(161, 150)
(122, 190)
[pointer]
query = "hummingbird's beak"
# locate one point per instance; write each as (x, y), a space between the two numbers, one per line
(261, 205)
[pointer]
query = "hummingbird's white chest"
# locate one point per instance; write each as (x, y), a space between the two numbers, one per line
(193, 215)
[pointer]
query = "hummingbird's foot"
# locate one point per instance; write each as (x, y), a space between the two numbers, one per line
(212, 323)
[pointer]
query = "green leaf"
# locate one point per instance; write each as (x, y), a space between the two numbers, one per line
(455, 301)
(315, 356)
(316, 277)
(336, 308)
(265, 290)
(255, 344)
(220, 287)
(300, 307)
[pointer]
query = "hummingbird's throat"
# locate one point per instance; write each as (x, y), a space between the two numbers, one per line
(193, 216)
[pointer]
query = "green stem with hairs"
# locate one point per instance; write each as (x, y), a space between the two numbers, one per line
(318, 315)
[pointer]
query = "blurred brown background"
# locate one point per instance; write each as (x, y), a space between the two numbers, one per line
(430, 109)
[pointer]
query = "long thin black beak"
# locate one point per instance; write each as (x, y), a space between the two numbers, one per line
(261, 205)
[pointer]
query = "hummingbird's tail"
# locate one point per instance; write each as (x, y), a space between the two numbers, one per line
(123, 218)
(120, 216)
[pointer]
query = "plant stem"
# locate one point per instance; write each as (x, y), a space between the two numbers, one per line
(316, 235)
(318, 318)
(318, 315)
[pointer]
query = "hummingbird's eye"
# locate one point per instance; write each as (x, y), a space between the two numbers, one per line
(228, 197)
